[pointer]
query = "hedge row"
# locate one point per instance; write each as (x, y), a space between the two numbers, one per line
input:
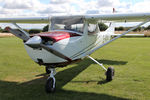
(102, 27)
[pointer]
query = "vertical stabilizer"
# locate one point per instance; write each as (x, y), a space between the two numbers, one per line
(111, 28)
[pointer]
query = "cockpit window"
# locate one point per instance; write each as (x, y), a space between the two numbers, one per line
(71, 24)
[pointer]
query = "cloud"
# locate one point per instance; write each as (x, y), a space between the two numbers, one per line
(59, 1)
(105, 3)
(37, 8)
(141, 6)
(92, 12)
(18, 4)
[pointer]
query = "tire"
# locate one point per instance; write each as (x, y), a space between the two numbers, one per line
(47, 70)
(50, 85)
(110, 74)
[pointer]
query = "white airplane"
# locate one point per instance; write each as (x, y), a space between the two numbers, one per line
(70, 39)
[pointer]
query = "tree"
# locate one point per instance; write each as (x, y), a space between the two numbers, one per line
(1, 30)
(148, 27)
(137, 29)
(119, 28)
(45, 29)
(102, 26)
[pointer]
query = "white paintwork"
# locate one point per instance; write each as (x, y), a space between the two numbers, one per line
(36, 40)
(108, 17)
(80, 46)
(73, 47)
(120, 17)
(25, 20)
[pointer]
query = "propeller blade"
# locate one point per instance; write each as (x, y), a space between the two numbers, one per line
(17, 33)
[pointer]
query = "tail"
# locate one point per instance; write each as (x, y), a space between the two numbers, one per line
(111, 28)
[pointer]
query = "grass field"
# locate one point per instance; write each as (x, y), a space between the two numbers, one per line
(22, 79)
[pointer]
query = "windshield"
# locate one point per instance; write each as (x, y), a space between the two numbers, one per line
(71, 24)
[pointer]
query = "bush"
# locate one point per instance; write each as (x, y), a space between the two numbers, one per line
(1, 30)
(148, 27)
(26, 30)
(119, 28)
(33, 31)
(4, 31)
(102, 26)
(138, 29)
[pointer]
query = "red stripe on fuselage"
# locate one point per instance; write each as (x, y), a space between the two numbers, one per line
(57, 35)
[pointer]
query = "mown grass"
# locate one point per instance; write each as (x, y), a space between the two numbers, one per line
(22, 79)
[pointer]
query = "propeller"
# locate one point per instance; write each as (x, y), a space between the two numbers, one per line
(36, 42)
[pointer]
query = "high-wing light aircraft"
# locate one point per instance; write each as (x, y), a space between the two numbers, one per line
(70, 39)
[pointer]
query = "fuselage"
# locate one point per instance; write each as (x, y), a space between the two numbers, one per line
(68, 40)
(70, 43)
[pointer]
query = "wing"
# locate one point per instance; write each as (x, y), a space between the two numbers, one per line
(25, 20)
(92, 18)
(127, 17)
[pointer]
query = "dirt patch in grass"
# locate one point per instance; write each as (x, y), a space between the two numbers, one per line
(6, 35)
(146, 33)
(14, 79)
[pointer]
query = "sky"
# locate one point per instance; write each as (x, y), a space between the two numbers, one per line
(27, 8)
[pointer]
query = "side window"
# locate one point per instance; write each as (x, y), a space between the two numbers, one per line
(92, 28)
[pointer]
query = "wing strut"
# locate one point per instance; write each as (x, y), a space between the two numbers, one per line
(118, 37)
(98, 63)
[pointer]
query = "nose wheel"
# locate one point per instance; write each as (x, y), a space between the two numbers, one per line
(50, 85)
(51, 82)
(47, 70)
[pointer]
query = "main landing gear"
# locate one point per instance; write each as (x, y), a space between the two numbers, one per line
(110, 72)
(51, 81)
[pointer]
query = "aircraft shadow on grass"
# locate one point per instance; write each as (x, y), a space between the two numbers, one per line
(34, 89)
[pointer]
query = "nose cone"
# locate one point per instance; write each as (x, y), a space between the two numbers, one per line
(34, 41)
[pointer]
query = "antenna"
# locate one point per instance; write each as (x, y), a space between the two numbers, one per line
(114, 10)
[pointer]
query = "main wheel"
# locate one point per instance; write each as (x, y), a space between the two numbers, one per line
(50, 85)
(47, 70)
(110, 73)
